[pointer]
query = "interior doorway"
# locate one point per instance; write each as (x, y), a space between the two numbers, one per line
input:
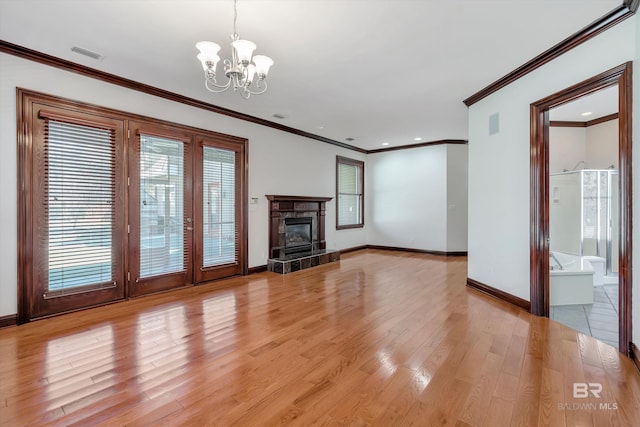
(542, 196)
(584, 216)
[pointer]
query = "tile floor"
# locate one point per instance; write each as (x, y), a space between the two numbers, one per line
(599, 320)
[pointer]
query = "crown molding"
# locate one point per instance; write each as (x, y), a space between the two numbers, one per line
(420, 144)
(570, 124)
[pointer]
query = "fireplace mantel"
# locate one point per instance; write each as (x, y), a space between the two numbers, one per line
(282, 207)
(277, 198)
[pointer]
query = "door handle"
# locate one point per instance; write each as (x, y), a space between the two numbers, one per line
(190, 228)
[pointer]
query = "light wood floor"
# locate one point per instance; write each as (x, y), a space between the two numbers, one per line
(381, 338)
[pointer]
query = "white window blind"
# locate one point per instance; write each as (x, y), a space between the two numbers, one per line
(162, 242)
(219, 208)
(79, 204)
(349, 202)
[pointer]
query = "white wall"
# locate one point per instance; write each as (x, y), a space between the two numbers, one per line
(457, 167)
(408, 198)
(567, 147)
(602, 145)
(271, 153)
(499, 163)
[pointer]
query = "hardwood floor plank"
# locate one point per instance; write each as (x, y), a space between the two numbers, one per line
(378, 339)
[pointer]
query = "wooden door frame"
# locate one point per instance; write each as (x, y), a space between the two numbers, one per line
(539, 203)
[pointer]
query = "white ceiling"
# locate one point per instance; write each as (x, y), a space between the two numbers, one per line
(374, 70)
(601, 103)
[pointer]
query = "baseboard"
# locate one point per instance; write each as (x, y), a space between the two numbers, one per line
(634, 354)
(257, 269)
(10, 320)
(497, 293)
(353, 249)
(420, 251)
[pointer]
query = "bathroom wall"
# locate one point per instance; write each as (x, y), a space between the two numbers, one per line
(567, 147)
(601, 145)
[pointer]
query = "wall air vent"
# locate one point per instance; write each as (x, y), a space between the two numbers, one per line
(494, 123)
(88, 53)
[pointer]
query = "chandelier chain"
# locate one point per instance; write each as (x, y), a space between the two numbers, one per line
(235, 16)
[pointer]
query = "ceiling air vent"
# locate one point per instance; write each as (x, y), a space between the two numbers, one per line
(279, 116)
(88, 53)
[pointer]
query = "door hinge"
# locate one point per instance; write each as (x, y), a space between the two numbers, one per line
(128, 276)
(128, 229)
(128, 133)
(128, 181)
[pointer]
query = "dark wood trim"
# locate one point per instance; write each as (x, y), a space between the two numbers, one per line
(539, 201)
(602, 119)
(420, 251)
(498, 294)
(9, 320)
(569, 124)
(418, 145)
(617, 15)
(353, 249)
(52, 61)
(279, 198)
(634, 354)
(257, 269)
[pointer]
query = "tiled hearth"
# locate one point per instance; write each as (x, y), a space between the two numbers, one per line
(302, 260)
(285, 259)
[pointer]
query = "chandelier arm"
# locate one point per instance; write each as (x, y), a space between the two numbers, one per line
(260, 84)
(245, 93)
(220, 88)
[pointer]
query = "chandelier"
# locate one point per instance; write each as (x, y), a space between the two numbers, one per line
(244, 76)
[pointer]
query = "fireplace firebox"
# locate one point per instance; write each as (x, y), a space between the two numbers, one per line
(298, 236)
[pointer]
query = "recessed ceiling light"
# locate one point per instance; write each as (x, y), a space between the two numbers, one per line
(384, 144)
(279, 116)
(586, 113)
(417, 138)
(320, 127)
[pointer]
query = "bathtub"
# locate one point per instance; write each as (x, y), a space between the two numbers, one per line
(573, 283)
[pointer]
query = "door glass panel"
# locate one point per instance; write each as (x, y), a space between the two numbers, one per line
(80, 178)
(162, 239)
(219, 224)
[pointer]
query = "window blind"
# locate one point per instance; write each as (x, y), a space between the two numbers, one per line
(220, 238)
(79, 205)
(162, 242)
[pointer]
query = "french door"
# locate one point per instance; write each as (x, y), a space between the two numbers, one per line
(113, 206)
(73, 232)
(218, 209)
(160, 209)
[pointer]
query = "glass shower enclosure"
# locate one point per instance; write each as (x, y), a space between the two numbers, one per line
(583, 213)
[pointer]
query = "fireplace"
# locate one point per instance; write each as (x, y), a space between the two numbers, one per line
(296, 233)
(298, 236)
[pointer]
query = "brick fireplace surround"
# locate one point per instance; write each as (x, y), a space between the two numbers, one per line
(283, 207)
